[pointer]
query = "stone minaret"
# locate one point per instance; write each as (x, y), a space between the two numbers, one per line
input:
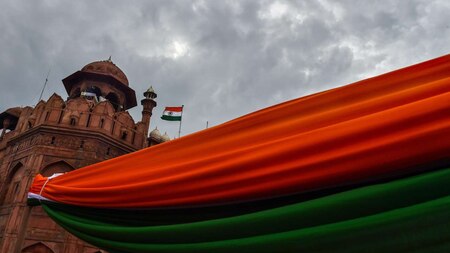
(148, 103)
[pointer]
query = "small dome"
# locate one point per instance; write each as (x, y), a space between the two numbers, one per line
(155, 134)
(165, 137)
(107, 68)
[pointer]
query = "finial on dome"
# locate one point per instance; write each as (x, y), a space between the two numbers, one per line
(155, 134)
(165, 137)
(109, 59)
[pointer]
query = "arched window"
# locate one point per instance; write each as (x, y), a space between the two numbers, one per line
(114, 100)
(75, 93)
(124, 135)
(47, 113)
(73, 121)
(11, 191)
(97, 91)
(57, 167)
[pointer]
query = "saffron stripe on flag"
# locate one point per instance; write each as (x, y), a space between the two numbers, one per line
(174, 109)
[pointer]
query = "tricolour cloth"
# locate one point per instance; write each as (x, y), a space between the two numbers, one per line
(172, 113)
(357, 168)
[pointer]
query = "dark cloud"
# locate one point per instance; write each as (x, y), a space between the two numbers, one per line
(221, 59)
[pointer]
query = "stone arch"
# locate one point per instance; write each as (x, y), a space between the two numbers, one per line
(104, 108)
(12, 186)
(38, 247)
(56, 167)
(14, 169)
(125, 119)
(114, 100)
(96, 90)
(78, 110)
(78, 104)
(75, 93)
(73, 120)
(55, 101)
(54, 106)
(40, 105)
(101, 116)
(22, 123)
(124, 122)
(124, 134)
(39, 111)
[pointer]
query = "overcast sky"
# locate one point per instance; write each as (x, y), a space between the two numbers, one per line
(220, 59)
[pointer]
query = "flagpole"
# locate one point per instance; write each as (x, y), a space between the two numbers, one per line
(179, 129)
(45, 84)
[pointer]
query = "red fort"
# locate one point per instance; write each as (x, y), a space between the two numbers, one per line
(59, 135)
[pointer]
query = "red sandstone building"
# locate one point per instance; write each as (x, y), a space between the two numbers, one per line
(59, 135)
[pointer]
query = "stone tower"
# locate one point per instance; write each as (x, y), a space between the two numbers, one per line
(148, 103)
(59, 135)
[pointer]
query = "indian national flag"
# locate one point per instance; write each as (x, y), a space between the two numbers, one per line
(172, 113)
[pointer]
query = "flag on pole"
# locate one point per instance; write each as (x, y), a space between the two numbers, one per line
(172, 113)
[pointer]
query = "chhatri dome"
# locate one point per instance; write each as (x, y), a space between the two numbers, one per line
(104, 79)
(106, 67)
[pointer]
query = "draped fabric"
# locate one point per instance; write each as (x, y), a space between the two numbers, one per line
(363, 167)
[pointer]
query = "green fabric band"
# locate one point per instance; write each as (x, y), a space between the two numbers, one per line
(403, 215)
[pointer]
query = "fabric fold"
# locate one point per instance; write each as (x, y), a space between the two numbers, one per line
(349, 205)
(334, 138)
(359, 168)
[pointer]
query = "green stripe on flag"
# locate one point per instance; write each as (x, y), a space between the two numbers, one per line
(171, 118)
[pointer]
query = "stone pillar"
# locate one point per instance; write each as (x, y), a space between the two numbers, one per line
(18, 222)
